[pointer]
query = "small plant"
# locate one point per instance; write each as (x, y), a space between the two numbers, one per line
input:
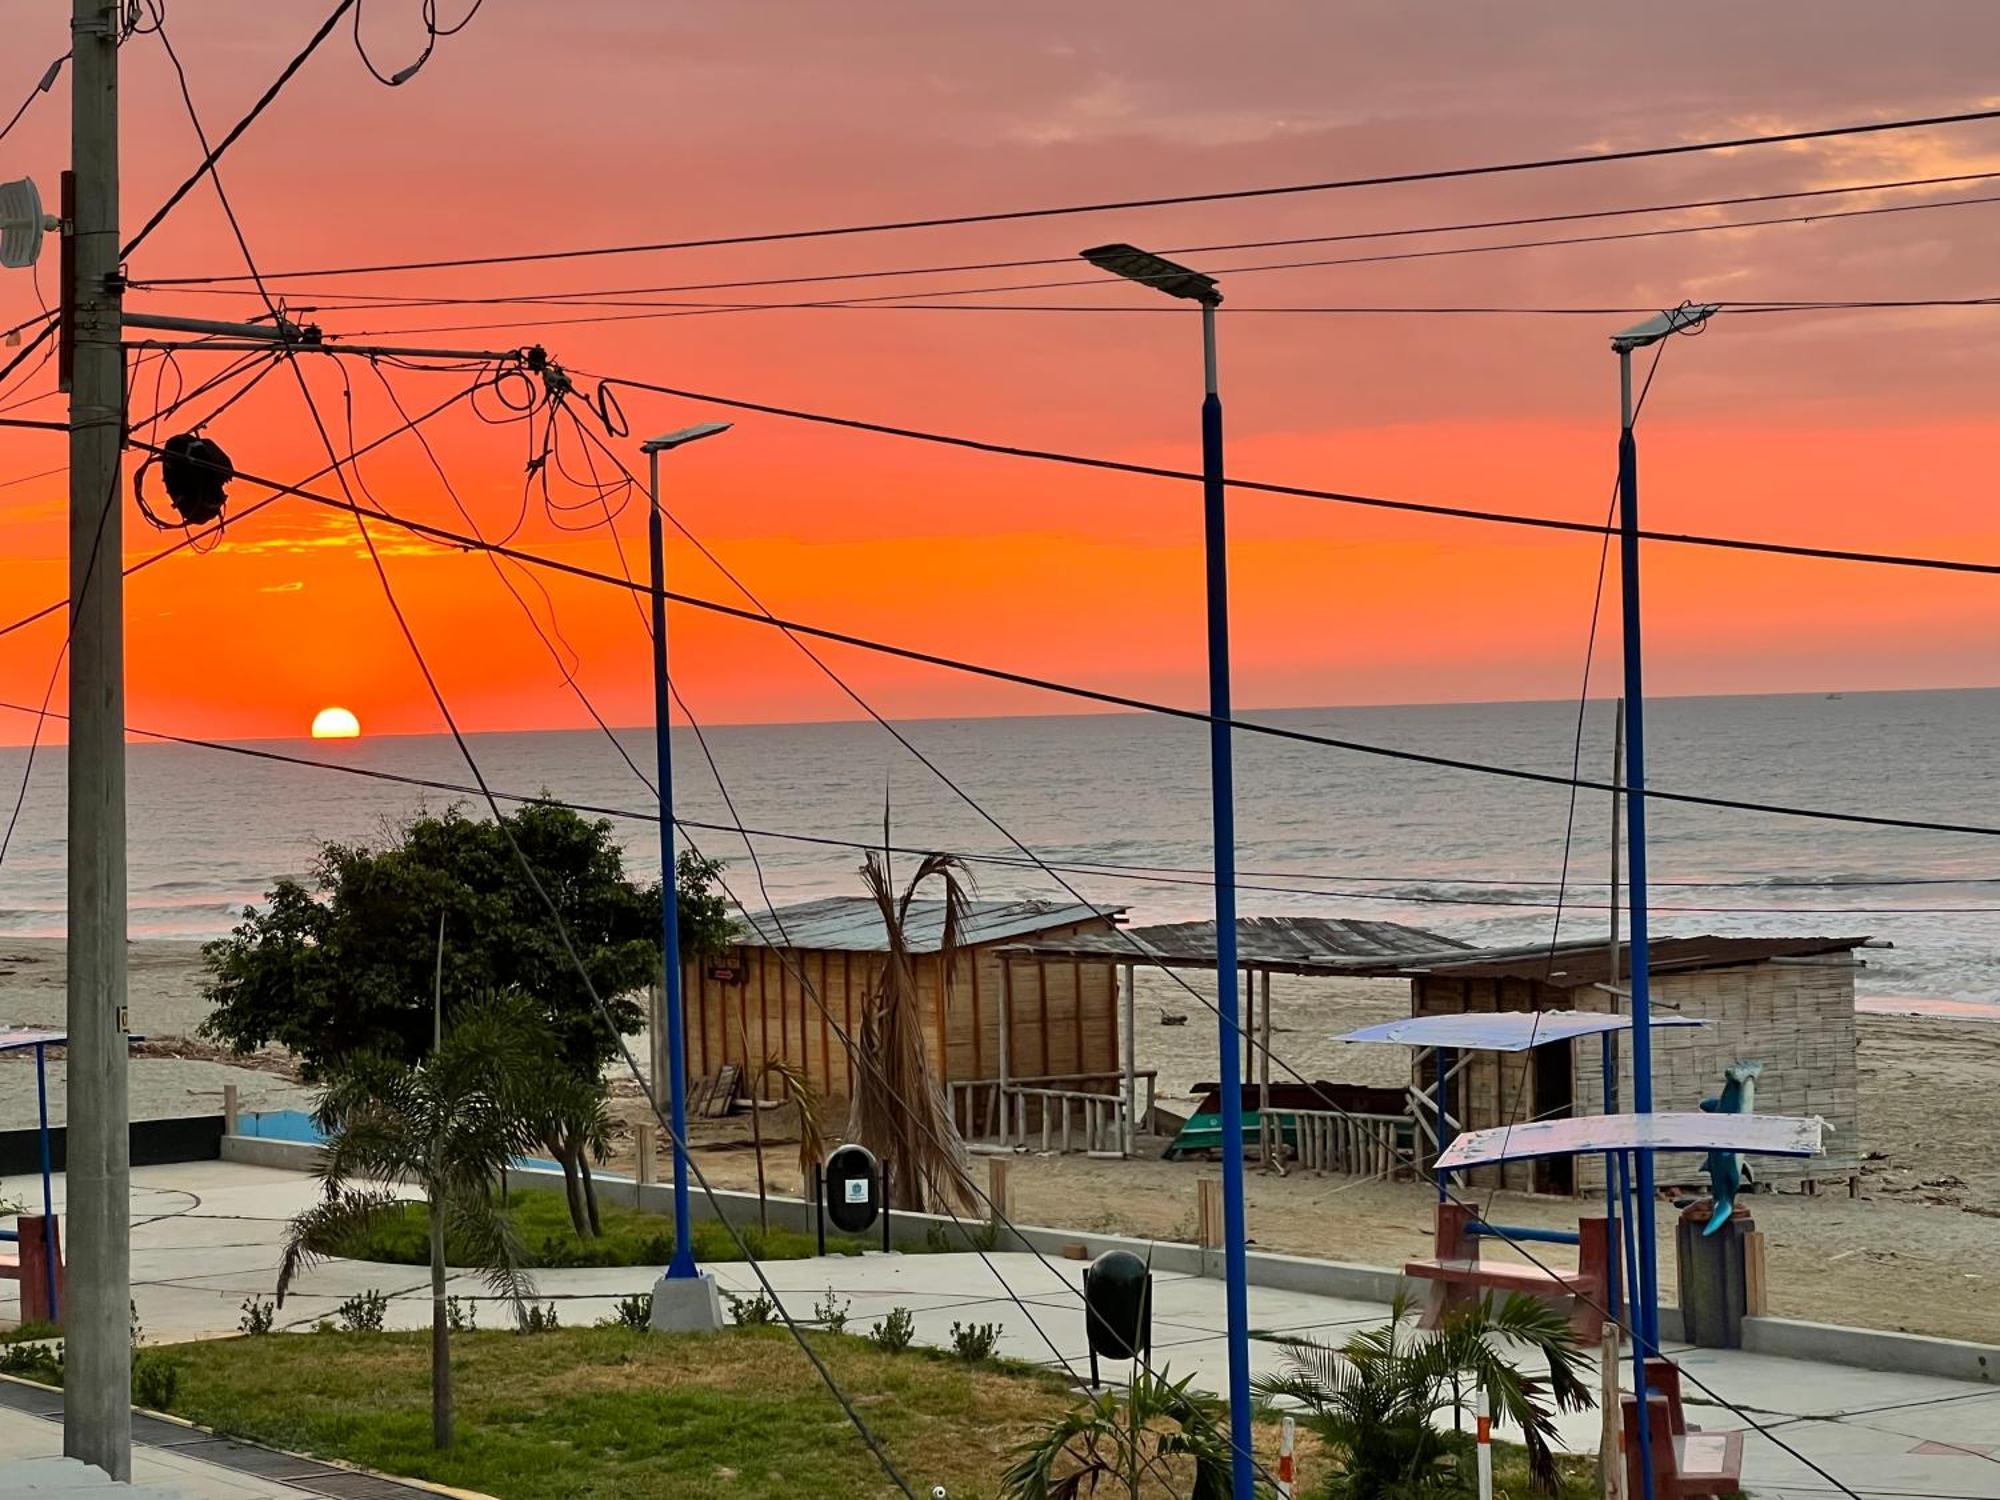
(461, 1315)
(42, 1362)
(325, 1325)
(973, 1342)
(539, 1319)
(893, 1334)
(259, 1315)
(364, 1312)
(936, 1240)
(156, 1380)
(751, 1312)
(831, 1313)
(29, 1332)
(634, 1312)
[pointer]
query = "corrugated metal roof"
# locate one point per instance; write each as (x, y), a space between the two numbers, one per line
(1752, 1135)
(1503, 1030)
(853, 924)
(1575, 965)
(1298, 945)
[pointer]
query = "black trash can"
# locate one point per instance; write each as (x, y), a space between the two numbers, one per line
(1714, 1277)
(1118, 1307)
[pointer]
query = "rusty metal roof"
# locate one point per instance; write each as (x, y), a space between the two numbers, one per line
(853, 924)
(1286, 945)
(1574, 965)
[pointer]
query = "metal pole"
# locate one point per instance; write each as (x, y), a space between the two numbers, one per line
(48, 1192)
(682, 1267)
(1613, 1201)
(1646, 1295)
(1222, 779)
(97, 1414)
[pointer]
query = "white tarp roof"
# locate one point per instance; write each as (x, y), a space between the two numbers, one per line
(1748, 1135)
(1502, 1031)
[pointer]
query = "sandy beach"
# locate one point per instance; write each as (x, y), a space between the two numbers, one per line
(1913, 1251)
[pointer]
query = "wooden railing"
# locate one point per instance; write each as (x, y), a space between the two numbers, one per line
(1358, 1145)
(1068, 1111)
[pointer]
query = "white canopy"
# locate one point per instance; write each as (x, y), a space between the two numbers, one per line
(1502, 1030)
(1748, 1135)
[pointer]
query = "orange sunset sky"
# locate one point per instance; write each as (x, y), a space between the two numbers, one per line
(547, 126)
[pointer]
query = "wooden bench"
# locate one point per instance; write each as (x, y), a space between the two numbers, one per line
(1459, 1278)
(30, 1267)
(1688, 1464)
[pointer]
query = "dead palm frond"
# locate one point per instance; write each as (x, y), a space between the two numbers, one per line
(899, 1110)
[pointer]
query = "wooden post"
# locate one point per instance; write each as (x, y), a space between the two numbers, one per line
(230, 1108)
(1001, 1206)
(1208, 1212)
(642, 1135)
(1267, 1133)
(1756, 1283)
(1610, 1454)
(1128, 1142)
(656, 1034)
(1006, 1045)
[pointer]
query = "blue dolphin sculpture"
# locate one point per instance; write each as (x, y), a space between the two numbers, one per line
(1727, 1171)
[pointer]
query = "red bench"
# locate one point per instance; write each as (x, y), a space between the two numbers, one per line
(1459, 1278)
(31, 1268)
(1687, 1462)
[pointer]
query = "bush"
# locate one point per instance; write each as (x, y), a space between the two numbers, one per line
(259, 1314)
(893, 1334)
(635, 1312)
(460, 1315)
(973, 1342)
(751, 1312)
(156, 1380)
(40, 1362)
(540, 1319)
(363, 1313)
(831, 1313)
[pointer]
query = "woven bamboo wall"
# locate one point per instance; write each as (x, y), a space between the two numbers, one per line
(764, 1000)
(1492, 1087)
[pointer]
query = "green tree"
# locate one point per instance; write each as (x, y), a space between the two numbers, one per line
(447, 1125)
(1380, 1397)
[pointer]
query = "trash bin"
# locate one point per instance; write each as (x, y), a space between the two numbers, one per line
(1714, 1278)
(1118, 1307)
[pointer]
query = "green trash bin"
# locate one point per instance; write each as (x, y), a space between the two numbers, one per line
(1118, 1307)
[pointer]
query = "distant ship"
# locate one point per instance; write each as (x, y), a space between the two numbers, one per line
(1830, 697)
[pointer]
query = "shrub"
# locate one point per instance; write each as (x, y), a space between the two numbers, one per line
(156, 1380)
(973, 1342)
(540, 1319)
(363, 1313)
(42, 1362)
(259, 1314)
(635, 1312)
(831, 1313)
(460, 1315)
(893, 1334)
(751, 1312)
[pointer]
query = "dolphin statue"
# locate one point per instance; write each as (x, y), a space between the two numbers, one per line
(1727, 1171)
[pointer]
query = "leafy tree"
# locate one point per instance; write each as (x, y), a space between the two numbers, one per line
(448, 1125)
(1379, 1398)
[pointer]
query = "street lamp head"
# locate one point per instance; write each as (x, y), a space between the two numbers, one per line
(1155, 271)
(1662, 325)
(671, 440)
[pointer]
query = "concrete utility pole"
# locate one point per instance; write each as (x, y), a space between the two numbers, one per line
(97, 1411)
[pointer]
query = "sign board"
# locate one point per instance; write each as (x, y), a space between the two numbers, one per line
(853, 1181)
(725, 973)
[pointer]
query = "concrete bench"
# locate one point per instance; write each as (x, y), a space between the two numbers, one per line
(1459, 1277)
(35, 1239)
(1688, 1464)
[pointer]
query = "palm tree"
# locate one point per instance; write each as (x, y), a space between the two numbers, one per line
(446, 1125)
(900, 1112)
(1381, 1396)
(1103, 1444)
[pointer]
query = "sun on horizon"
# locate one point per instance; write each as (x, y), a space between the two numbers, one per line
(335, 724)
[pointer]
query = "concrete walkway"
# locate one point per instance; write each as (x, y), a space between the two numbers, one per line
(205, 1237)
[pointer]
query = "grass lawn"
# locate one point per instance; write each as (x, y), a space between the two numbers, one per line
(593, 1413)
(630, 1238)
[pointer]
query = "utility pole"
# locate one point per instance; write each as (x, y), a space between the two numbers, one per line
(97, 1409)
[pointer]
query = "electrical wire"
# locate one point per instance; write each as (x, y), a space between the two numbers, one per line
(1232, 195)
(48, 81)
(432, 31)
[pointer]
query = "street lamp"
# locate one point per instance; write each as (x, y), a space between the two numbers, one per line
(1646, 1296)
(684, 1300)
(1176, 280)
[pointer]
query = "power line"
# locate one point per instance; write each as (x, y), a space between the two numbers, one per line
(48, 81)
(1590, 158)
(557, 299)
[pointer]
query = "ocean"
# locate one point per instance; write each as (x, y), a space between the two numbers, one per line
(1124, 798)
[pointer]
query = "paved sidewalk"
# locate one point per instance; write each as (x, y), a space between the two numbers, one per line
(205, 1237)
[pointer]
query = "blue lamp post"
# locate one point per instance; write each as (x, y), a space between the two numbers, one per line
(1177, 280)
(683, 1299)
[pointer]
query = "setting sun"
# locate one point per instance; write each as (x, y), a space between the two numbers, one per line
(335, 724)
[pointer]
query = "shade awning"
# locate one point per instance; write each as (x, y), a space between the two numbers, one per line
(15, 1038)
(1747, 1135)
(1503, 1030)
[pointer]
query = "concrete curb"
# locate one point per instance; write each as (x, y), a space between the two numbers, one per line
(1785, 1338)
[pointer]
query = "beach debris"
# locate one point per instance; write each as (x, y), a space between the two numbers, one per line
(1171, 1018)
